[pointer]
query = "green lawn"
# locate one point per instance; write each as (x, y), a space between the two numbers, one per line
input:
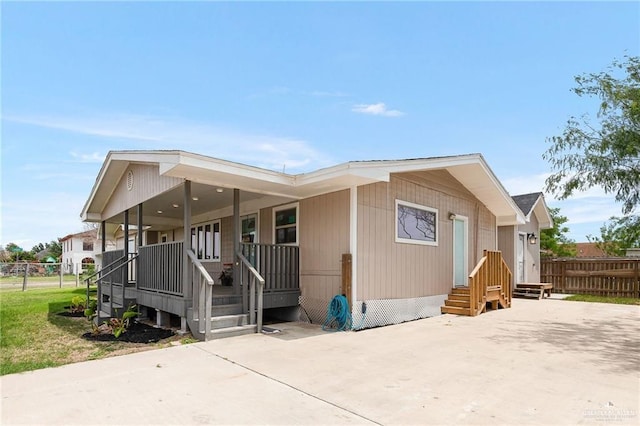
(603, 299)
(33, 336)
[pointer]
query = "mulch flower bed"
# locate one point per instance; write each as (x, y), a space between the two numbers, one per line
(136, 333)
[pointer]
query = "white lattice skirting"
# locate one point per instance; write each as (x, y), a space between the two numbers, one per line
(379, 312)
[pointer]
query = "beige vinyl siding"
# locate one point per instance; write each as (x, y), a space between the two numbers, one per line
(486, 234)
(390, 270)
(323, 235)
(266, 225)
(507, 244)
(147, 183)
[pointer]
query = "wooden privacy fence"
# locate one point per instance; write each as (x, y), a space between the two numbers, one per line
(611, 277)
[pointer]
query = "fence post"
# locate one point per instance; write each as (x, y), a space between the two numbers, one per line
(26, 273)
(60, 274)
(636, 284)
(77, 277)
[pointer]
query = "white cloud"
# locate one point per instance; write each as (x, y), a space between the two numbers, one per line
(327, 94)
(93, 157)
(281, 91)
(376, 109)
(525, 184)
(48, 215)
(536, 183)
(149, 132)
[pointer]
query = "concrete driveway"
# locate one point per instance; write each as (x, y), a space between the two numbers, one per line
(540, 362)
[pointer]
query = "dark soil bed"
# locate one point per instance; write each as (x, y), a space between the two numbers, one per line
(71, 314)
(136, 333)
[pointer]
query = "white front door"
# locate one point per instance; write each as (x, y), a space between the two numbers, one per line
(522, 241)
(460, 251)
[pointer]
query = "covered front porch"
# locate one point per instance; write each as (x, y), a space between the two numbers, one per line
(152, 278)
(194, 251)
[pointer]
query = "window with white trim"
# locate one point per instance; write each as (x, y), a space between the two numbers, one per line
(416, 224)
(249, 228)
(205, 241)
(285, 224)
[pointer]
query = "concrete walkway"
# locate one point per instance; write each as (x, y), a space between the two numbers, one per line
(540, 362)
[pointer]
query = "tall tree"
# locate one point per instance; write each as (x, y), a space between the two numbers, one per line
(37, 248)
(55, 249)
(554, 242)
(619, 234)
(606, 153)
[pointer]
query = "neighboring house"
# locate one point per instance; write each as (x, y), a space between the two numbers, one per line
(633, 252)
(519, 244)
(80, 249)
(394, 236)
(589, 250)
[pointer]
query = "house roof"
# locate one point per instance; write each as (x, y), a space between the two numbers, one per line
(534, 203)
(589, 250)
(84, 234)
(470, 170)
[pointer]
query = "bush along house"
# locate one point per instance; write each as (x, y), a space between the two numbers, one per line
(400, 239)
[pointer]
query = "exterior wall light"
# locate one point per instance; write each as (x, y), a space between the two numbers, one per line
(452, 216)
(532, 238)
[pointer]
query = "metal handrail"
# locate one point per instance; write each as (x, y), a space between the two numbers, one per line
(252, 293)
(119, 267)
(88, 279)
(204, 295)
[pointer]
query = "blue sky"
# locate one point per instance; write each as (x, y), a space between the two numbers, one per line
(293, 86)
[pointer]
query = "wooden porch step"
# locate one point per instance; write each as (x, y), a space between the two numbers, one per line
(458, 303)
(232, 331)
(227, 321)
(455, 310)
(459, 297)
(229, 309)
(461, 291)
(528, 293)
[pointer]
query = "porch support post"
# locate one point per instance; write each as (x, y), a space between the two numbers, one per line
(353, 245)
(186, 220)
(126, 235)
(140, 225)
(103, 236)
(236, 240)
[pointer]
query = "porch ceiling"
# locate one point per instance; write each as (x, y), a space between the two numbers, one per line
(205, 198)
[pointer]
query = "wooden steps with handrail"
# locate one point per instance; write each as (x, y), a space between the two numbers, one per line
(489, 283)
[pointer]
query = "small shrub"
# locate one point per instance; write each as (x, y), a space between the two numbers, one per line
(78, 304)
(117, 326)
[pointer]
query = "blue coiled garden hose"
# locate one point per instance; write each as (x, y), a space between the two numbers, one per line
(339, 315)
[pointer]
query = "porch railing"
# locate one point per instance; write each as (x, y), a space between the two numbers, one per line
(202, 294)
(115, 275)
(112, 261)
(160, 268)
(249, 275)
(279, 265)
(490, 280)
